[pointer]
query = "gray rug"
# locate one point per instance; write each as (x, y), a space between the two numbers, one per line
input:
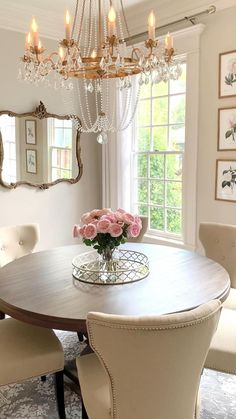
(36, 400)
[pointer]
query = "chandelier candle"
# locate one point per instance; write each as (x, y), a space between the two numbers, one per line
(151, 26)
(111, 22)
(67, 25)
(168, 41)
(35, 34)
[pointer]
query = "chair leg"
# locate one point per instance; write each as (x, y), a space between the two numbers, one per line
(84, 413)
(2, 315)
(80, 336)
(59, 382)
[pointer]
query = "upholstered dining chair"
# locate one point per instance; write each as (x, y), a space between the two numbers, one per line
(145, 366)
(219, 242)
(139, 239)
(17, 241)
(28, 351)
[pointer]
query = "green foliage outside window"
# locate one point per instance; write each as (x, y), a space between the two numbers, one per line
(160, 129)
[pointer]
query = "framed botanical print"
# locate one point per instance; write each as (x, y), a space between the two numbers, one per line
(227, 74)
(31, 161)
(30, 131)
(226, 129)
(225, 180)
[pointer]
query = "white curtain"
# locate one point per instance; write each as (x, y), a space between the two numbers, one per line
(116, 162)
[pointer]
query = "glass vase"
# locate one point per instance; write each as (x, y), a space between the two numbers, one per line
(108, 265)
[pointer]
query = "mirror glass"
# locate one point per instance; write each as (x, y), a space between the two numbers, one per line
(38, 149)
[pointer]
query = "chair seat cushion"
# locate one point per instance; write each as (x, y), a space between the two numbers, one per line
(95, 387)
(230, 302)
(27, 351)
(222, 353)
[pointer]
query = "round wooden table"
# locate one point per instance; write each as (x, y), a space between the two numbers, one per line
(39, 288)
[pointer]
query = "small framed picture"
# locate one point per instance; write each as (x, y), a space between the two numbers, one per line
(31, 161)
(227, 74)
(30, 131)
(226, 180)
(226, 129)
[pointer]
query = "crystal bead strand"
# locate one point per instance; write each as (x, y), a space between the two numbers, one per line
(90, 27)
(81, 106)
(133, 111)
(86, 101)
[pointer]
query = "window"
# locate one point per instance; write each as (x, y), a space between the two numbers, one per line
(8, 130)
(60, 134)
(158, 155)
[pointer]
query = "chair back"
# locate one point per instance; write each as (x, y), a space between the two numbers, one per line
(17, 241)
(139, 239)
(154, 363)
(219, 242)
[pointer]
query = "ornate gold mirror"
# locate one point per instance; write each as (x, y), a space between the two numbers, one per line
(38, 149)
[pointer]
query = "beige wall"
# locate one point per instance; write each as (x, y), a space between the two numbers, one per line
(218, 36)
(58, 208)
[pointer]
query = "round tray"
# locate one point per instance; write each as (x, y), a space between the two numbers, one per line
(125, 267)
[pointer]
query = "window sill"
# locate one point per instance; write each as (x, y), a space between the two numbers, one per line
(148, 238)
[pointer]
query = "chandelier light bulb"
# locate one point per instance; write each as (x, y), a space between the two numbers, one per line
(34, 28)
(67, 25)
(168, 41)
(111, 21)
(94, 53)
(151, 25)
(39, 44)
(61, 53)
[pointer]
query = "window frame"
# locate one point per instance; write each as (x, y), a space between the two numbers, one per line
(187, 43)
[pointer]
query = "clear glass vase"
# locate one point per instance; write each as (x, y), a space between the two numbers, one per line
(108, 265)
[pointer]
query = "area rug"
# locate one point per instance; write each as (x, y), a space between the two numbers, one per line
(36, 400)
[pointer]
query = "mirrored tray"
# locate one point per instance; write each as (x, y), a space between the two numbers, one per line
(126, 266)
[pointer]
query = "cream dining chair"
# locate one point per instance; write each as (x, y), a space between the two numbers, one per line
(28, 351)
(145, 367)
(219, 242)
(17, 241)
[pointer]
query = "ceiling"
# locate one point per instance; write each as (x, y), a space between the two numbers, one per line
(16, 15)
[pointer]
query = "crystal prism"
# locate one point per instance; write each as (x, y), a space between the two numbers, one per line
(102, 138)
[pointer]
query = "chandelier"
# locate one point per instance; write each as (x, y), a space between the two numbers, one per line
(94, 58)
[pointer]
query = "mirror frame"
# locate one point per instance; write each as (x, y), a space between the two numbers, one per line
(41, 113)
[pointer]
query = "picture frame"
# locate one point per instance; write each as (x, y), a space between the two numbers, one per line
(226, 129)
(30, 131)
(225, 187)
(31, 161)
(227, 74)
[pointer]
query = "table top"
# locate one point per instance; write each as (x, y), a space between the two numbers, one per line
(39, 288)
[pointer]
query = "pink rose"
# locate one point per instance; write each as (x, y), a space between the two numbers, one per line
(103, 226)
(110, 217)
(128, 218)
(76, 231)
(121, 210)
(133, 230)
(115, 230)
(81, 231)
(87, 218)
(119, 216)
(90, 231)
(138, 220)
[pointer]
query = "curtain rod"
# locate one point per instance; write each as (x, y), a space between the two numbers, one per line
(192, 19)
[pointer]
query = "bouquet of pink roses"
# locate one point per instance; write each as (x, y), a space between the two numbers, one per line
(105, 230)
